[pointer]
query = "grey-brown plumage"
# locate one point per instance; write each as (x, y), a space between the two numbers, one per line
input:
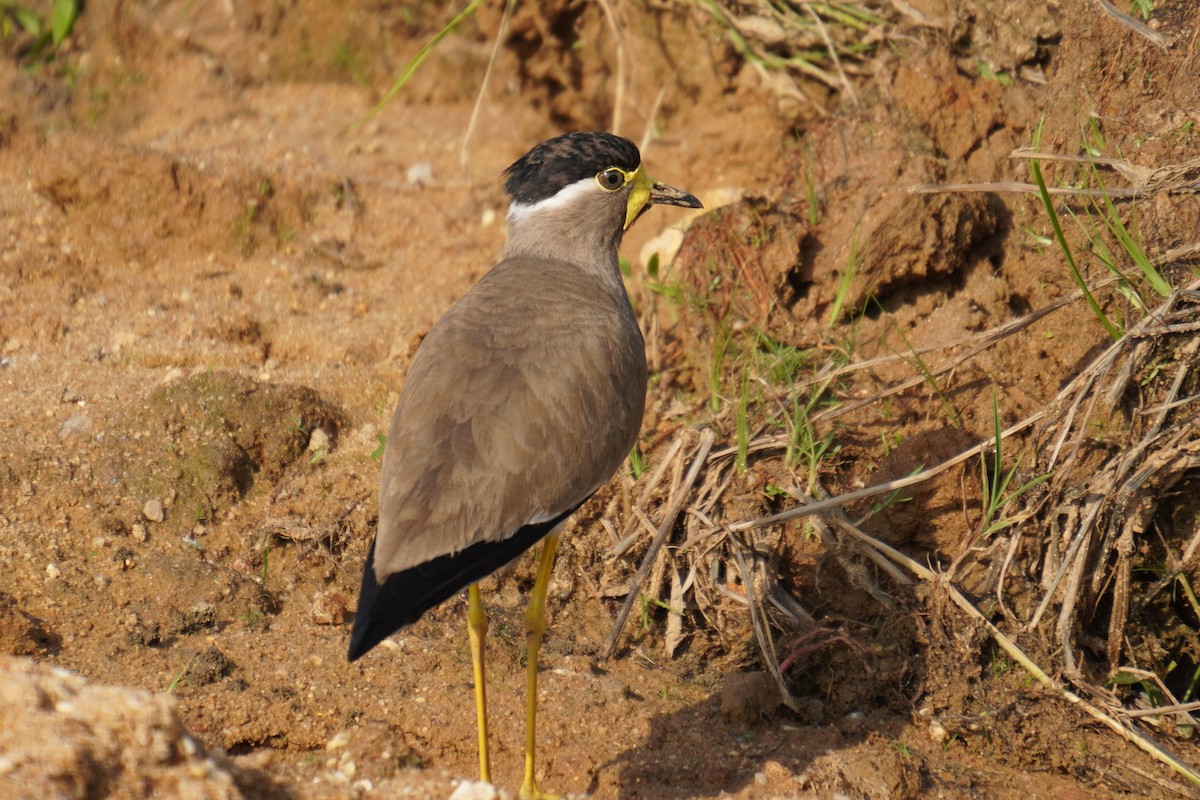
(524, 398)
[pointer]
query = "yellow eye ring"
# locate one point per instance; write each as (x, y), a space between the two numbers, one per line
(612, 179)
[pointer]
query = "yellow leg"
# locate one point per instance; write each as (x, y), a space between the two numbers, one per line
(477, 628)
(535, 626)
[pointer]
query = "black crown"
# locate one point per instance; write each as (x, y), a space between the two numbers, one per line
(556, 163)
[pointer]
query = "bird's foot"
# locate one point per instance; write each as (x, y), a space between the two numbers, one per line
(530, 791)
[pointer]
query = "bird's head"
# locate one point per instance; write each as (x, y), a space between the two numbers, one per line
(586, 187)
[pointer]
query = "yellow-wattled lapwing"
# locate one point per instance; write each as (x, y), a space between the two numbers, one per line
(521, 402)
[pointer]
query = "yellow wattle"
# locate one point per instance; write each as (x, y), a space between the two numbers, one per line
(639, 196)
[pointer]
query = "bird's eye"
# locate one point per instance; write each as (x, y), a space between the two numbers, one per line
(611, 179)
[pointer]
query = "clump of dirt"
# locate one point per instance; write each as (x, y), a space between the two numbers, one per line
(21, 634)
(198, 445)
(63, 737)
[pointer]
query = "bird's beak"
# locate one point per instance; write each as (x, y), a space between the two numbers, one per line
(647, 192)
(665, 195)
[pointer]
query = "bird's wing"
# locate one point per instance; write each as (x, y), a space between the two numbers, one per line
(522, 400)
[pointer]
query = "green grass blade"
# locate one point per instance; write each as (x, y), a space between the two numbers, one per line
(419, 59)
(1036, 169)
(62, 19)
(741, 418)
(1128, 243)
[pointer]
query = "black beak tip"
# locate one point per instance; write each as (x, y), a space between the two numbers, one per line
(662, 194)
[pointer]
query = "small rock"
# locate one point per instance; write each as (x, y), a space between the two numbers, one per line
(153, 510)
(318, 441)
(69, 396)
(75, 425)
(420, 174)
(474, 790)
(138, 532)
(329, 608)
(53, 572)
(339, 740)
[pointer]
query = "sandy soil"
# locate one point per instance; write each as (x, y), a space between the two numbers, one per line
(214, 272)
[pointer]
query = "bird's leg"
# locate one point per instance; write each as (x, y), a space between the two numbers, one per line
(477, 628)
(535, 626)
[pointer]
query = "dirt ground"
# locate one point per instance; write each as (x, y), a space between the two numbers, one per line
(214, 270)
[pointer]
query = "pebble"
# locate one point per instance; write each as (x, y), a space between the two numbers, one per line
(138, 532)
(339, 740)
(420, 174)
(53, 572)
(75, 425)
(318, 441)
(329, 608)
(153, 510)
(474, 790)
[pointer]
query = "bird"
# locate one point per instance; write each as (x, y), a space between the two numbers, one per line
(519, 404)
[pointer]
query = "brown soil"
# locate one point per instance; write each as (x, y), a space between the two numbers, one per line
(213, 279)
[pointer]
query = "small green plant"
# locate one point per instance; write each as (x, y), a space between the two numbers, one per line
(646, 603)
(741, 421)
(889, 441)
(894, 497)
(637, 463)
(988, 74)
(810, 195)
(854, 260)
(1143, 7)
(995, 482)
(644, 611)
(253, 618)
(1001, 664)
(672, 292)
(722, 338)
(1093, 137)
(1036, 171)
(46, 37)
(1128, 240)
(1152, 373)
(377, 453)
(783, 363)
(179, 673)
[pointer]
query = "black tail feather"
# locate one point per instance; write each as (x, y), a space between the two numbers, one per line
(405, 596)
